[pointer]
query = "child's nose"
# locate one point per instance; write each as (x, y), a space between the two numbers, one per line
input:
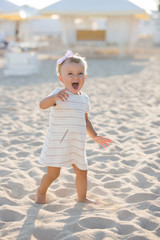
(75, 76)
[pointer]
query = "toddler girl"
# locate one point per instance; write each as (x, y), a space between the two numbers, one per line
(64, 144)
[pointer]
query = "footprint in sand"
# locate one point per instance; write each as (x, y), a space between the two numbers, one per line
(8, 215)
(147, 224)
(96, 223)
(64, 192)
(125, 215)
(55, 207)
(125, 229)
(141, 197)
(113, 184)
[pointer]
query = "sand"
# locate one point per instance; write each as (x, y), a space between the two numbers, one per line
(124, 179)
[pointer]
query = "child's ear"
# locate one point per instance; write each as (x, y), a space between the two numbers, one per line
(60, 78)
(85, 77)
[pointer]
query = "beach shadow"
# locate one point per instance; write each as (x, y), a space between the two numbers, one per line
(28, 225)
(105, 67)
(72, 223)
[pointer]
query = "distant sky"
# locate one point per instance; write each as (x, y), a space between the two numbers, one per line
(145, 4)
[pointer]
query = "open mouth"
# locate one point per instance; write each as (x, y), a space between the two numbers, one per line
(75, 85)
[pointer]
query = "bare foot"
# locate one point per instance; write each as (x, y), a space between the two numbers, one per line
(40, 198)
(87, 201)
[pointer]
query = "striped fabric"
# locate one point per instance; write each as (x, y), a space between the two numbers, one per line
(65, 139)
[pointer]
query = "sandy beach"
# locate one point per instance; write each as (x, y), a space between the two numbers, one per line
(124, 179)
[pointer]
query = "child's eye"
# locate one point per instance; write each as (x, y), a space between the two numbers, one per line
(81, 75)
(70, 73)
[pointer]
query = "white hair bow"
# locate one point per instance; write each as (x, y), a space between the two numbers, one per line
(68, 54)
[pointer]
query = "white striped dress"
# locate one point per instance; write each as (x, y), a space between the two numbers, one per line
(64, 144)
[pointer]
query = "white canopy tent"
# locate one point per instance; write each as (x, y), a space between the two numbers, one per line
(79, 20)
(26, 20)
(6, 7)
(8, 11)
(15, 62)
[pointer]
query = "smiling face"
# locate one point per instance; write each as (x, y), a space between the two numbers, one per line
(72, 76)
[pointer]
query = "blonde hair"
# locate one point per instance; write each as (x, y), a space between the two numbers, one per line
(75, 59)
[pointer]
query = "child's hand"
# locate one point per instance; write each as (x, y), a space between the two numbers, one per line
(62, 95)
(102, 141)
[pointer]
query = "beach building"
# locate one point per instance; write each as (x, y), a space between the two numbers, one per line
(102, 22)
(37, 25)
(17, 59)
(7, 27)
(156, 27)
(23, 23)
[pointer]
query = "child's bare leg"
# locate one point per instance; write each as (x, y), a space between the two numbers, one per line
(47, 179)
(81, 184)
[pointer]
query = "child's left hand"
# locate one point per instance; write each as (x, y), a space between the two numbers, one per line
(102, 141)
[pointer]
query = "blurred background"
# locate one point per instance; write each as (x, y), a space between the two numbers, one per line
(30, 30)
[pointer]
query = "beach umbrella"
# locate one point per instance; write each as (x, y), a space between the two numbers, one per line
(10, 12)
(6, 7)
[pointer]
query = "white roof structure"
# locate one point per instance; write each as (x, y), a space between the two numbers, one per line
(93, 7)
(6, 7)
(11, 12)
(121, 19)
(28, 11)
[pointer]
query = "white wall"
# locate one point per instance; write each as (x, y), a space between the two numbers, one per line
(119, 30)
(91, 23)
(29, 28)
(39, 27)
(156, 27)
(8, 28)
(68, 33)
(134, 31)
(46, 26)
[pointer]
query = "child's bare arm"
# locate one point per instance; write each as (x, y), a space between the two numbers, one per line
(90, 130)
(92, 133)
(51, 100)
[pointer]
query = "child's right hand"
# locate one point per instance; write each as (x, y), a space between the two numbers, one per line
(62, 95)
